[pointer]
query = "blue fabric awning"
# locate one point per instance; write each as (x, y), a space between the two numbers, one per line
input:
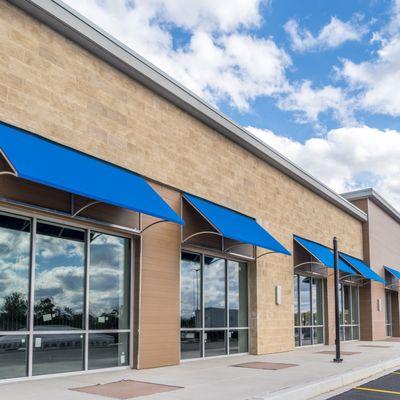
(42, 161)
(323, 254)
(236, 226)
(362, 268)
(393, 271)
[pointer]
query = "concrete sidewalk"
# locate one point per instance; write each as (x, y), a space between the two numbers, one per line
(216, 378)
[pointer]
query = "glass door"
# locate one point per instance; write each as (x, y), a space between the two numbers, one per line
(349, 312)
(388, 313)
(308, 310)
(214, 306)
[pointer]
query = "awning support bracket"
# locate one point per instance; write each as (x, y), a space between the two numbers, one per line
(13, 171)
(83, 208)
(152, 224)
(200, 233)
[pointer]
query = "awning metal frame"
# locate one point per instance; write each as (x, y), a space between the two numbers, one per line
(342, 278)
(225, 250)
(13, 171)
(75, 212)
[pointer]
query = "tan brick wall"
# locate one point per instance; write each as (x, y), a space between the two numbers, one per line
(52, 87)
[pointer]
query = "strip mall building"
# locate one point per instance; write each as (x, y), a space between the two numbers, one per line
(139, 227)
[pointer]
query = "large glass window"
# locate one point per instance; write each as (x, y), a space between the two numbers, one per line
(214, 292)
(14, 272)
(59, 277)
(66, 271)
(213, 301)
(308, 310)
(349, 312)
(109, 282)
(13, 356)
(191, 291)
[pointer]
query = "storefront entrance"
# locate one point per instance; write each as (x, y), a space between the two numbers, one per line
(308, 310)
(349, 312)
(214, 306)
(65, 298)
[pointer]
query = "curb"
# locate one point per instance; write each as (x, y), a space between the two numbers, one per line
(311, 390)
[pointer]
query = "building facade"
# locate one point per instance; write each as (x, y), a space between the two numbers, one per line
(379, 303)
(110, 277)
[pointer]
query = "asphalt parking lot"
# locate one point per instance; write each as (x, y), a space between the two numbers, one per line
(384, 388)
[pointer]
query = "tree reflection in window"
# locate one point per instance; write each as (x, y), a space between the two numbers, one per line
(59, 277)
(109, 278)
(14, 272)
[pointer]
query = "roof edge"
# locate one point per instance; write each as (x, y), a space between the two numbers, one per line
(374, 196)
(69, 23)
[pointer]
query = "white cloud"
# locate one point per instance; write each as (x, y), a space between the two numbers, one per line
(308, 103)
(332, 35)
(347, 158)
(216, 61)
(376, 83)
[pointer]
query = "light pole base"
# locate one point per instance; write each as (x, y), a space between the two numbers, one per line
(337, 360)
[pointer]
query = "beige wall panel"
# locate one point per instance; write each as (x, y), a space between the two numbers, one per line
(159, 315)
(54, 88)
(384, 234)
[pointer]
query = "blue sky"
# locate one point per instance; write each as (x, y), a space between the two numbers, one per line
(317, 80)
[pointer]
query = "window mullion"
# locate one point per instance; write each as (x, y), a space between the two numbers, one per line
(32, 294)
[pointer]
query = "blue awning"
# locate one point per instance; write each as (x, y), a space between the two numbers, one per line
(394, 272)
(45, 162)
(362, 268)
(235, 226)
(323, 254)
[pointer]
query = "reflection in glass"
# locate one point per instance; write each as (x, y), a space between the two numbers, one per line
(14, 272)
(109, 277)
(305, 301)
(356, 332)
(317, 302)
(297, 336)
(238, 341)
(237, 279)
(318, 335)
(341, 304)
(347, 333)
(306, 338)
(190, 344)
(354, 305)
(214, 292)
(59, 277)
(57, 353)
(388, 313)
(190, 290)
(107, 350)
(296, 301)
(13, 356)
(215, 343)
(346, 305)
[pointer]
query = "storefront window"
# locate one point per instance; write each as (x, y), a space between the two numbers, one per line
(237, 294)
(59, 277)
(214, 292)
(213, 301)
(59, 330)
(109, 279)
(14, 271)
(308, 310)
(191, 291)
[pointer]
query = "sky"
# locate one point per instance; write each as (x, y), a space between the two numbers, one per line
(317, 80)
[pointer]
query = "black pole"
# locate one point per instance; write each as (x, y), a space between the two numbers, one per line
(337, 359)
